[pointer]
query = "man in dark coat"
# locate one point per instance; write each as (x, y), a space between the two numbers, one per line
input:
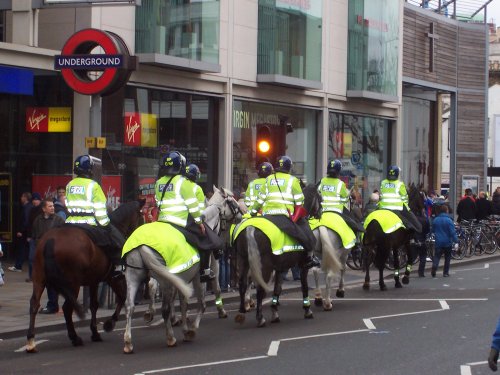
(484, 207)
(466, 209)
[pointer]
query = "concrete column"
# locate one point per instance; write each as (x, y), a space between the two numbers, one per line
(24, 21)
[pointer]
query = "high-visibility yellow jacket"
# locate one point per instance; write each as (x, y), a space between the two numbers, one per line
(253, 190)
(279, 195)
(86, 202)
(335, 194)
(178, 201)
(393, 195)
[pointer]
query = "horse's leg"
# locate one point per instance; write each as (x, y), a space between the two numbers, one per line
(119, 286)
(190, 333)
(38, 288)
(395, 253)
(327, 301)
(275, 318)
(344, 253)
(366, 254)
(152, 289)
(94, 304)
(306, 304)
(68, 316)
(318, 298)
(174, 319)
(261, 294)
(133, 282)
(214, 265)
(242, 268)
(409, 264)
(166, 307)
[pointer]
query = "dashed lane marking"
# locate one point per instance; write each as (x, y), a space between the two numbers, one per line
(23, 349)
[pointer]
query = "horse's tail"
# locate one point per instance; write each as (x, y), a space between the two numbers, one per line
(55, 278)
(330, 260)
(151, 260)
(254, 259)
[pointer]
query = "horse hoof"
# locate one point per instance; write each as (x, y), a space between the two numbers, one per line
(240, 318)
(327, 307)
(276, 320)
(109, 325)
(366, 286)
(175, 322)
(252, 304)
(171, 343)
(247, 307)
(77, 341)
(398, 285)
(383, 288)
(96, 338)
(340, 293)
(308, 315)
(31, 350)
(189, 335)
(222, 314)
(128, 349)
(148, 317)
(318, 301)
(261, 323)
(406, 280)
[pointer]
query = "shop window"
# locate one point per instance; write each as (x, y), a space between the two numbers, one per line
(359, 142)
(292, 131)
(289, 39)
(373, 48)
(181, 28)
(2, 26)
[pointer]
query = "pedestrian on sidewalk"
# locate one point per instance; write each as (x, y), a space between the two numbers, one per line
(36, 210)
(444, 235)
(22, 246)
(42, 224)
(2, 282)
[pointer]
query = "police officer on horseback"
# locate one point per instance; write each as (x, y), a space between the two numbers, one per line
(252, 192)
(86, 205)
(193, 174)
(279, 196)
(336, 196)
(394, 197)
(178, 205)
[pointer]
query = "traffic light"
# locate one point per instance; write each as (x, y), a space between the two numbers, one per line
(264, 145)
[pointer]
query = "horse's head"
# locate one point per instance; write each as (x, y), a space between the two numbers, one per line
(128, 216)
(415, 199)
(229, 208)
(312, 200)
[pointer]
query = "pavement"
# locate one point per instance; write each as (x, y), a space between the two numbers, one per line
(16, 293)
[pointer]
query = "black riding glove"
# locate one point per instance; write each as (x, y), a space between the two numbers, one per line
(492, 359)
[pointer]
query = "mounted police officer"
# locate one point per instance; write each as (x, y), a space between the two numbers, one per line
(193, 174)
(86, 205)
(179, 206)
(394, 197)
(278, 197)
(264, 170)
(336, 196)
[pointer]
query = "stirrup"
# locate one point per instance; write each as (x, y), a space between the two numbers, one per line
(206, 275)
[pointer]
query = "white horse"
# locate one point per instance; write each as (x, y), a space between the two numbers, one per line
(328, 242)
(143, 262)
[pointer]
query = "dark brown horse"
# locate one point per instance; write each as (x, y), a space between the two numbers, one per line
(255, 256)
(378, 245)
(66, 258)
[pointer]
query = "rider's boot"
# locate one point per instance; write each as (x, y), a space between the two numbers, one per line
(312, 261)
(206, 274)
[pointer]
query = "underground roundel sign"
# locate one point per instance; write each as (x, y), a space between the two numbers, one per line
(91, 70)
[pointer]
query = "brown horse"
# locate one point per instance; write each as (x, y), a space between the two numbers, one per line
(66, 258)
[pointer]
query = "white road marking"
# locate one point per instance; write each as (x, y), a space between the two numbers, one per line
(485, 266)
(273, 349)
(202, 365)
(466, 369)
(23, 349)
(444, 305)
(369, 324)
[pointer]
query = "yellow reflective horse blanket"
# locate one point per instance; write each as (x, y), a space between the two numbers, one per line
(335, 222)
(280, 241)
(178, 254)
(388, 220)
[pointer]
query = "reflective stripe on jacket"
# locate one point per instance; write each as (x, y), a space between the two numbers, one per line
(335, 194)
(280, 200)
(178, 201)
(253, 190)
(393, 195)
(86, 202)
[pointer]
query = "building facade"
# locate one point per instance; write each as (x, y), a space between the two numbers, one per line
(326, 78)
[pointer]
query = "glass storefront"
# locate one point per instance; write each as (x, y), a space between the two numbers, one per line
(418, 142)
(289, 40)
(293, 132)
(142, 124)
(361, 144)
(180, 28)
(373, 46)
